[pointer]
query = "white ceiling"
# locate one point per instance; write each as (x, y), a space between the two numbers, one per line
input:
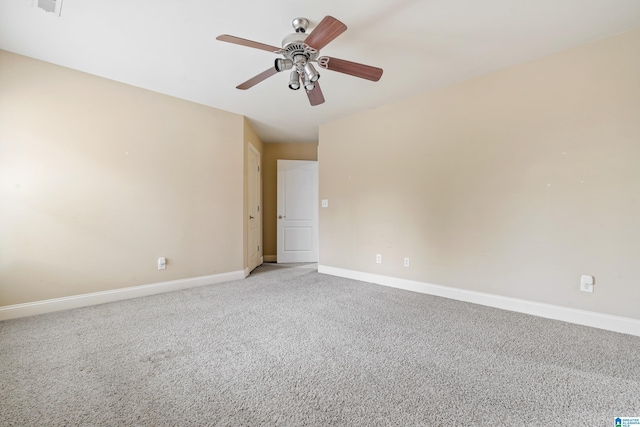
(169, 46)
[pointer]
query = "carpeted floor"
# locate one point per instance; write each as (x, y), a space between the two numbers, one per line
(291, 347)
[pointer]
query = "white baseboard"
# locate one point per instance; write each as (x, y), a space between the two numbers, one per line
(270, 258)
(624, 325)
(83, 300)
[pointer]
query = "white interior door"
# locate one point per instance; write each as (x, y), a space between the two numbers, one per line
(253, 204)
(297, 211)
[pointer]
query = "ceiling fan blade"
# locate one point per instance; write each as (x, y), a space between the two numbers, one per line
(315, 96)
(257, 79)
(249, 43)
(352, 68)
(326, 31)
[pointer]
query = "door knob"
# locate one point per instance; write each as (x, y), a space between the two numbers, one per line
(250, 217)
(280, 216)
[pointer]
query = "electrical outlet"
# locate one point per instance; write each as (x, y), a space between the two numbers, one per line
(378, 258)
(162, 263)
(586, 283)
(406, 261)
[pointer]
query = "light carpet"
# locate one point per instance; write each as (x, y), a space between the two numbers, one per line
(291, 347)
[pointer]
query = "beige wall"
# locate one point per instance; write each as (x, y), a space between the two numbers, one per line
(514, 183)
(98, 179)
(272, 153)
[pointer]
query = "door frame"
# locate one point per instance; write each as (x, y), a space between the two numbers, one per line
(252, 149)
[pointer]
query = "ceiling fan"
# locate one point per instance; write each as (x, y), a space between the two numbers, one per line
(299, 51)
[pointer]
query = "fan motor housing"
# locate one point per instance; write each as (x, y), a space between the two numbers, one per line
(293, 45)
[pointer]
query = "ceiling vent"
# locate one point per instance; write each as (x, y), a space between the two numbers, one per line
(52, 6)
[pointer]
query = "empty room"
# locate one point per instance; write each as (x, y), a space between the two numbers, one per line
(391, 213)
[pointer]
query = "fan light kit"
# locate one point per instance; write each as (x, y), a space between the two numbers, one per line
(300, 51)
